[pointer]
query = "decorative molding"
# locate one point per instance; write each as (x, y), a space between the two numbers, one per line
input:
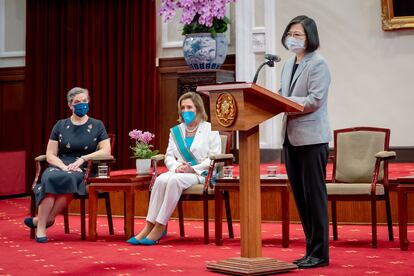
(259, 42)
(272, 137)
(165, 43)
(3, 52)
(244, 56)
(252, 42)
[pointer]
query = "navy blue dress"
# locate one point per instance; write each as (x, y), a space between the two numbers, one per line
(73, 142)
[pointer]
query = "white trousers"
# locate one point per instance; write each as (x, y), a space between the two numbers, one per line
(165, 194)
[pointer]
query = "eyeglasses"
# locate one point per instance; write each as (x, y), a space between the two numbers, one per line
(295, 35)
(80, 101)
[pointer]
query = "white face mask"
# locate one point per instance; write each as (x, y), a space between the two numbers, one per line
(295, 45)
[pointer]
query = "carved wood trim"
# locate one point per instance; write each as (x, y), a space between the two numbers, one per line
(12, 74)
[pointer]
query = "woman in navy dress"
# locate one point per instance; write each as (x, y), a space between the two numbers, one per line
(72, 143)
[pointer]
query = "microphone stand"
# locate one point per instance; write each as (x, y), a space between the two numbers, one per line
(270, 63)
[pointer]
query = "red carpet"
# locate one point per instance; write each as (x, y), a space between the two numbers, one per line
(66, 254)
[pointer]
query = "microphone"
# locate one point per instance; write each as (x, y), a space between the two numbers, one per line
(271, 59)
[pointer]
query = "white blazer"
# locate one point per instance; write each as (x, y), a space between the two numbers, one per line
(206, 142)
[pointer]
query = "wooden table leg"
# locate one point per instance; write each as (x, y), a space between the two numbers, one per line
(130, 210)
(285, 216)
(218, 208)
(402, 218)
(93, 208)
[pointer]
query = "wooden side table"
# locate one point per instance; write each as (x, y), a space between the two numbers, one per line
(405, 186)
(279, 184)
(128, 184)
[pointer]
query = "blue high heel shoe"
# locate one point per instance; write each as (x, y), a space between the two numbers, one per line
(133, 241)
(146, 241)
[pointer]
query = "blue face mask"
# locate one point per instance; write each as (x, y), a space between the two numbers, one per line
(81, 109)
(188, 117)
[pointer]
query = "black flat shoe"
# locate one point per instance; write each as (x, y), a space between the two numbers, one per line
(300, 260)
(29, 223)
(42, 239)
(312, 262)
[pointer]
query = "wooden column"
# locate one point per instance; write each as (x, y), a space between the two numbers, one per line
(250, 210)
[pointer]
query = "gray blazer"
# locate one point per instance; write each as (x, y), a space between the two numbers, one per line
(309, 87)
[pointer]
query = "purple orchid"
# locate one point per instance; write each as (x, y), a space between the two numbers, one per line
(142, 148)
(208, 10)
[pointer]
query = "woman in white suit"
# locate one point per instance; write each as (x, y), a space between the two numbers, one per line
(187, 159)
(305, 79)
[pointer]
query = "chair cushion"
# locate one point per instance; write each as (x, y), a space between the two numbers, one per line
(355, 155)
(197, 189)
(353, 189)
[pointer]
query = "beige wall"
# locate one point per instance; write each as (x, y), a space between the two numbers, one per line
(12, 32)
(372, 70)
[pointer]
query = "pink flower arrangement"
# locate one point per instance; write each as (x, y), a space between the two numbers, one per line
(198, 15)
(142, 148)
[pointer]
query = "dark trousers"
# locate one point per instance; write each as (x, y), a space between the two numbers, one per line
(306, 169)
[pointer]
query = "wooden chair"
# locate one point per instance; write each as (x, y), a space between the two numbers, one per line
(205, 192)
(360, 172)
(41, 165)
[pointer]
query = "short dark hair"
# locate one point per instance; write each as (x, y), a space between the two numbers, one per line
(75, 91)
(311, 32)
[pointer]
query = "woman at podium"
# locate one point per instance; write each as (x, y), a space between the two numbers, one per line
(190, 144)
(305, 79)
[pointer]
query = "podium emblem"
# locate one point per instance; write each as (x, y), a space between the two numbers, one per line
(226, 109)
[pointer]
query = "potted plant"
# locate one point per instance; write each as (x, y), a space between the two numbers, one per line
(205, 24)
(142, 150)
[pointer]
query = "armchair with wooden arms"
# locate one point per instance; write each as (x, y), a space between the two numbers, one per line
(360, 172)
(41, 165)
(205, 192)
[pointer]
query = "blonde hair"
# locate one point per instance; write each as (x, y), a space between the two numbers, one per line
(201, 114)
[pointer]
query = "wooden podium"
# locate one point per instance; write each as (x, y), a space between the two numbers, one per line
(242, 107)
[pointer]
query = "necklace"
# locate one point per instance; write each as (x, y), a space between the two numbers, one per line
(191, 130)
(82, 120)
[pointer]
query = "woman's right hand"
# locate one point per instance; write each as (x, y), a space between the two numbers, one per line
(184, 168)
(180, 169)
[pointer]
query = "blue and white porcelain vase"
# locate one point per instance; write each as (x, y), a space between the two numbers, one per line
(201, 51)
